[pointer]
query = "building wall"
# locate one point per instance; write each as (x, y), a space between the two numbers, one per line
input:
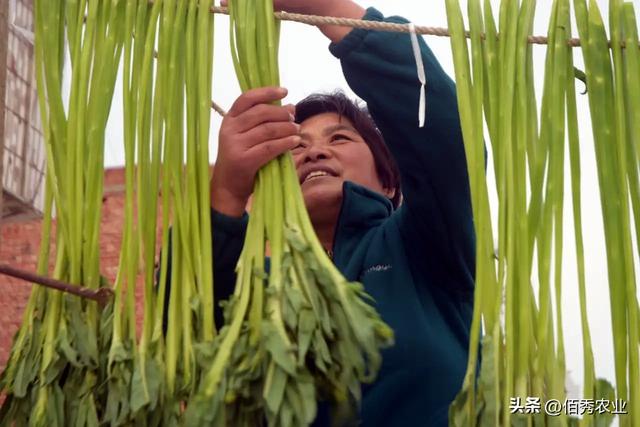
(19, 246)
(24, 155)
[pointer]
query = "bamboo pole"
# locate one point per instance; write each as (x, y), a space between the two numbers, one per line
(102, 296)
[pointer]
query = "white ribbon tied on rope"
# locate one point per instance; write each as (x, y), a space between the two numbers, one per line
(421, 74)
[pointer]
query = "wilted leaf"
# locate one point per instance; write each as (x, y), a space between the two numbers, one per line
(139, 389)
(306, 326)
(275, 387)
(295, 238)
(54, 369)
(306, 391)
(289, 313)
(21, 380)
(278, 349)
(205, 352)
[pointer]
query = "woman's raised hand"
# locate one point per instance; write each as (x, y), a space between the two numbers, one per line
(253, 132)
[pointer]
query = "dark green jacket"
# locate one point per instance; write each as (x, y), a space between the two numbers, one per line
(417, 261)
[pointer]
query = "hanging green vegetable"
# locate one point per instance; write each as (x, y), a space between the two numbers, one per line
(71, 363)
(299, 331)
(523, 354)
(57, 361)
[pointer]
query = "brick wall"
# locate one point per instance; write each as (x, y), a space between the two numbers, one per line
(19, 246)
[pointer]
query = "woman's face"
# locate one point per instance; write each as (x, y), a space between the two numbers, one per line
(331, 152)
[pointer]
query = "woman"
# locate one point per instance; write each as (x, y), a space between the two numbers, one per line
(416, 260)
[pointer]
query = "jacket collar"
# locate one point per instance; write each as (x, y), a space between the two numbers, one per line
(361, 210)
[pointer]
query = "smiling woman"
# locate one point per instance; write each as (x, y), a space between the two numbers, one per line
(356, 122)
(295, 329)
(339, 142)
(416, 259)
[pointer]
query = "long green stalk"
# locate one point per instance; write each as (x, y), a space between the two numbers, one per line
(599, 81)
(257, 368)
(531, 340)
(574, 157)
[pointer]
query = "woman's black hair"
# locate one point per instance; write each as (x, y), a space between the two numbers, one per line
(337, 102)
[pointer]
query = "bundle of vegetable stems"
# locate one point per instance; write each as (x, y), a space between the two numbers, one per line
(523, 351)
(72, 363)
(308, 331)
(295, 330)
(56, 364)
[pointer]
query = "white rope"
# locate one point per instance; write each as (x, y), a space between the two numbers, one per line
(23, 33)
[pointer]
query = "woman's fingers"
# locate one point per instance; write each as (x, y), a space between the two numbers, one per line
(263, 113)
(253, 97)
(254, 132)
(261, 154)
(269, 131)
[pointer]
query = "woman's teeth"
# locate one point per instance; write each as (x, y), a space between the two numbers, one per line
(315, 175)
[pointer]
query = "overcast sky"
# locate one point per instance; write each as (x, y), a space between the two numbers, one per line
(306, 66)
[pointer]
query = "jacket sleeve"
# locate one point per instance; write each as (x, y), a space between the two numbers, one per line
(227, 240)
(436, 218)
